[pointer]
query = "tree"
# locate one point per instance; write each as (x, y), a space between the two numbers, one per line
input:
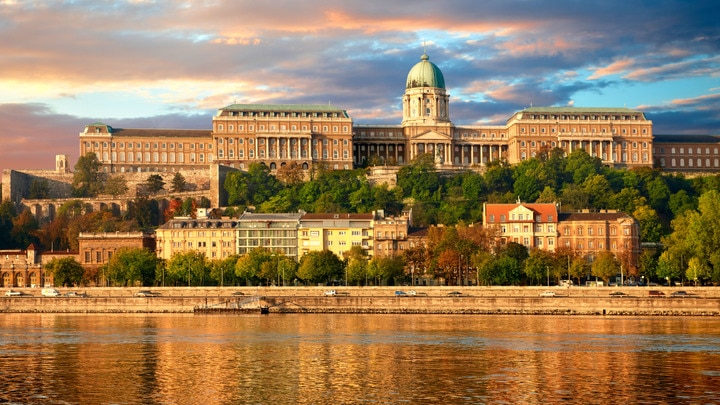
(697, 270)
(291, 174)
(25, 228)
(357, 265)
(250, 265)
(86, 179)
(7, 214)
(605, 266)
(132, 266)
(178, 183)
(537, 266)
(39, 189)
(115, 186)
(320, 266)
(252, 187)
(66, 271)
(188, 268)
(222, 271)
(154, 183)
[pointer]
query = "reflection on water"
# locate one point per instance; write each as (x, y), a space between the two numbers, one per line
(375, 359)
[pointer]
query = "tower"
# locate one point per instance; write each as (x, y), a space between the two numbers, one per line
(426, 117)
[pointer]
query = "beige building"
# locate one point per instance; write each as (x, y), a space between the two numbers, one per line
(337, 233)
(391, 234)
(307, 134)
(216, 238)
(531, 225)
(687, 153)
(587, 233)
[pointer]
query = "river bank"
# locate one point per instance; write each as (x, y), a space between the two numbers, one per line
(699, 301)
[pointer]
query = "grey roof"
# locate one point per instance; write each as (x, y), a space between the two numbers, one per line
(686, 139)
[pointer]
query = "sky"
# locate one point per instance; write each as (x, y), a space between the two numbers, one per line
(173, 64)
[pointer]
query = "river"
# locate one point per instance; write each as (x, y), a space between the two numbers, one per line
(348, 359)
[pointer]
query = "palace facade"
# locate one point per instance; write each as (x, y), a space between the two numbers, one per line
(283, 134)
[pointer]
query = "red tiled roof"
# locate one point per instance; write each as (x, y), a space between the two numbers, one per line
(542, 209)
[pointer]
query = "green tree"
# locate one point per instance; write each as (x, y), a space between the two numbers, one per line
(538, 265)
(7, 214)
(154, 183)
(697, 271)
(87, 181)
(320, 266)
(188, 268)
(66, 271)
(249, 266)
(252, 187)
(605, 266)
(357, 265)
(178, 183)
(222, 271)
(115, 186)
(651, 229)
(132, 267)
(39, 189)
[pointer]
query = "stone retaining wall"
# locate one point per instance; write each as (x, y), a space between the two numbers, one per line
(487, 300)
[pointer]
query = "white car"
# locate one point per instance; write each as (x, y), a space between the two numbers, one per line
(330, 293)
(547, 294)
(11, 293)
(50, 292)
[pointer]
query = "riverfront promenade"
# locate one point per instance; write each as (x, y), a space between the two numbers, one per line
(702, 301)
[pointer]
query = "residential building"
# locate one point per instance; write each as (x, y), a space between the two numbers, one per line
(531, 225)
(391, 234)
(216, 238)
(274, 232)
(587, 233)
(96, 249)
(337, 233)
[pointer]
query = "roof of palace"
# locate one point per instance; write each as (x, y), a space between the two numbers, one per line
(425, 74)
(686, 139)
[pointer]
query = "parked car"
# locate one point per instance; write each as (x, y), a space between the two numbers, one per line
(619, 294)
(330, 293)
(236, 293)
(11, 293)
(75, 294)
(400, 293)
(656, 293)
(146, 293)
(412, 293)
(454, 294)
(50, 292)
(680, 294)
(547, 294)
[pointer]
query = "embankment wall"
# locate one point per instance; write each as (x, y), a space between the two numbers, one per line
(435, 300)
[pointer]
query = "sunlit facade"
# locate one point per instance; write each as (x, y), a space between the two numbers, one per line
(307, 134)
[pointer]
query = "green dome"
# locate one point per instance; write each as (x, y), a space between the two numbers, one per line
(425, 74)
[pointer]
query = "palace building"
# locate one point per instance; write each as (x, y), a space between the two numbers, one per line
(283, 134)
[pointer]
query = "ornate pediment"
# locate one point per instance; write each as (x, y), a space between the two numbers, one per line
(431, 136)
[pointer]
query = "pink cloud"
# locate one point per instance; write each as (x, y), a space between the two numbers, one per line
(617, 67)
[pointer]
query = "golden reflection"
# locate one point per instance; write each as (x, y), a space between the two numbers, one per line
(318, 359)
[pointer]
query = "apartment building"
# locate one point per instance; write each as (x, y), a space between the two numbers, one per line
(337, 233)
(274, 232)
(541, 226)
